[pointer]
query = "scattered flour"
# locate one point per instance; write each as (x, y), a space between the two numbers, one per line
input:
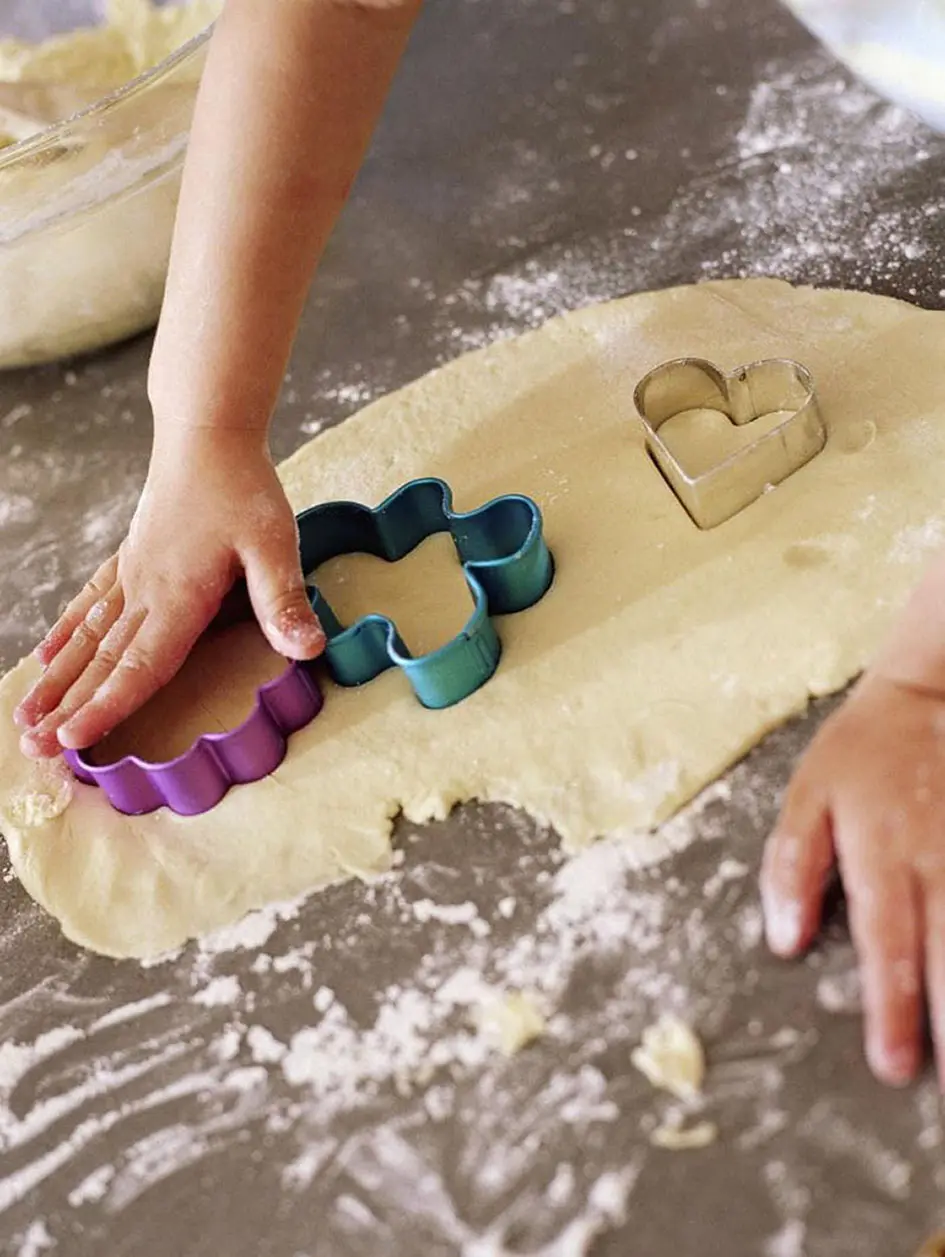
(35, 1241)
(346, 1097)
(811, 190)
(357, 1084)
(917, 541)
(222, 990)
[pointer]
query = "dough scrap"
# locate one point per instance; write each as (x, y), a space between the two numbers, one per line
(658, 658)
(44, 797)
(671, 1059)
(674, 1137)
(511, 1022)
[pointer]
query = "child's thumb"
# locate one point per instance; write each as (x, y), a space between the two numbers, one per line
(277, 591)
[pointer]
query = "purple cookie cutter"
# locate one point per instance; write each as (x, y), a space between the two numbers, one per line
(196, 781)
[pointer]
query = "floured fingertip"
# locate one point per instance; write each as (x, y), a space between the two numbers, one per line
(784, 926)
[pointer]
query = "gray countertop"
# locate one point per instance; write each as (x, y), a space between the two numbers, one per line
(306, 1085)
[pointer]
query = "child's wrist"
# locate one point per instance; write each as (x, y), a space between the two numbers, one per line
(176, 438)
(914, 653)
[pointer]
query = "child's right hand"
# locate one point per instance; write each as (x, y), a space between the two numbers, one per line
(212, 509)
(869, 798)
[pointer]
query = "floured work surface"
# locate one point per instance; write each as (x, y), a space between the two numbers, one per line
(223, 1100)
(661, 654)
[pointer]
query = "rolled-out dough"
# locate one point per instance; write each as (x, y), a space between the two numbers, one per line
(660, 655)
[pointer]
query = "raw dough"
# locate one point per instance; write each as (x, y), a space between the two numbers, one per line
(85, 227)
(511, 1022)
(674, 1137)
(135, 36)
(670, 1057)
(214, 691)
(658, 658)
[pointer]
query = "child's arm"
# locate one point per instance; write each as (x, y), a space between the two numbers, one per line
(290, 95)
(870, 796)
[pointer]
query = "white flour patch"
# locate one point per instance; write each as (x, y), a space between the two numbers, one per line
(223, 990)
(16, 508)
(789, 1241)
(915, 542)
(35, 1241)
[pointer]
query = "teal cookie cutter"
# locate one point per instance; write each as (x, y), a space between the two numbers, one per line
(506, 562)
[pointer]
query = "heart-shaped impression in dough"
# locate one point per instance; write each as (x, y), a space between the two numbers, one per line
(778, 389)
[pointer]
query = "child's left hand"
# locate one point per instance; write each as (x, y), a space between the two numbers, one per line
(869, 796)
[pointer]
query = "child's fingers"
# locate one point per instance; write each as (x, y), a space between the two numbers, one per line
(110, 653)
(798, 859)
(76, 611)
(42, 740)
(72, 659)
(935, 972)
(277, 592)
(885, 923)
(152, 658)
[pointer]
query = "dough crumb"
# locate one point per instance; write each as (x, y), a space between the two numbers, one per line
(41, 803)
(671, 1058)
(511, 1022)
(135, 35)
(672, 1136)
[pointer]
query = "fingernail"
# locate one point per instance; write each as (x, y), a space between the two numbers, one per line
(783, 926)
(33, 746)
(21, 717)
(26, 716)
(896, 1066)
(66, 738)
(299, 629)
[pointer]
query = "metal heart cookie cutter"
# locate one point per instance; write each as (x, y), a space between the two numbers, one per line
(198, 779)
(505, 560)
(773, 386)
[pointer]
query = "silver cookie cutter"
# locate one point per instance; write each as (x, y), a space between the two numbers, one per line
(771, 386)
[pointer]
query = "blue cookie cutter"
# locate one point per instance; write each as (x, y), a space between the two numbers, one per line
(505, 560)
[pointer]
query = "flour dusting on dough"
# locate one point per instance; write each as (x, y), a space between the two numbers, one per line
(41, 801)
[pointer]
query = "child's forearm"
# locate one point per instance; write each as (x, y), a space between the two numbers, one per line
(914, 654)
(290, 96)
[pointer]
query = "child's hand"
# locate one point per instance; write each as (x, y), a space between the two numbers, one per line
(212, 509)
(275, 145)
(870, 796)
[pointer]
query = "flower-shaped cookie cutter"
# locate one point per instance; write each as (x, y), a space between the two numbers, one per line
(773, 386)
(506, 562)
(197, 780)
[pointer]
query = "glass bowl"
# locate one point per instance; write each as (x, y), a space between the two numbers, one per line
(897, 46)
(87, 204)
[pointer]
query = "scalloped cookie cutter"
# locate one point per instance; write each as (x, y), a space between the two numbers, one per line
(198, 779)
(774, 385)
(505, 560)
